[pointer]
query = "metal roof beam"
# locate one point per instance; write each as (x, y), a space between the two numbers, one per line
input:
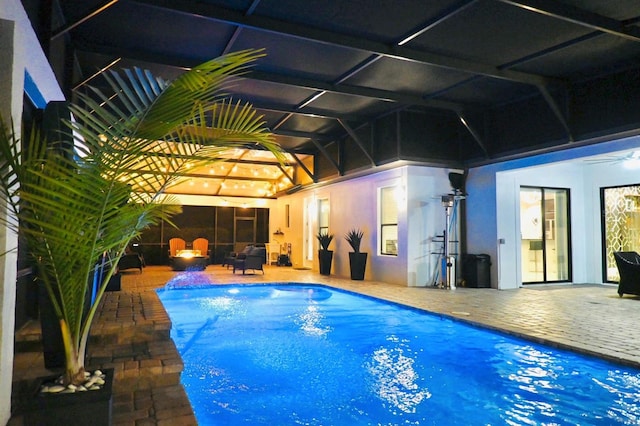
(98, 10)
(307, 112)
(383, 95)
(578, 16)
(447, 14)
(202, 175)
(311, 84)
(323, 36)
(306, 135)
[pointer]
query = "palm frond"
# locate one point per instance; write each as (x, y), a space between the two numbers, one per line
(75, 208)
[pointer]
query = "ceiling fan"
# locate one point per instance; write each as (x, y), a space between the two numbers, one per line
(628, 159)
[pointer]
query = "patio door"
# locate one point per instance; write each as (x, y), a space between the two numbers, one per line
(545, 236)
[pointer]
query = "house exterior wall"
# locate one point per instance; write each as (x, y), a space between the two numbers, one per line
(426, 220)
(354, 204)
(19, 56)
(7, 240)
(493, 206)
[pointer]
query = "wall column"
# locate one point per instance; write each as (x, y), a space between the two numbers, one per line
(8, 241)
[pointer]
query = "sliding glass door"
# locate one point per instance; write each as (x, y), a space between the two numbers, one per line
(545, 235)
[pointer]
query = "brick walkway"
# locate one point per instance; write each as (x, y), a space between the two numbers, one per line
(132, 331)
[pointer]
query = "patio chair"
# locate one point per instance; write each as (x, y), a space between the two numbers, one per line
(628, 263)
(232, 256)
(202, 245)
(253, 260)
(175, 245)
(131, 261)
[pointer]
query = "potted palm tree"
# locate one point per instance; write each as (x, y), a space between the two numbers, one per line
(325, 256)
(78, 207)
(357, 259)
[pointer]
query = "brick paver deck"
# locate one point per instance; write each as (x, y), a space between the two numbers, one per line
(132, 332)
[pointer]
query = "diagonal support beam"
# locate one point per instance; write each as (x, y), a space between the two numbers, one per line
(304, 167)
(287, 175)
(97, 73)
(98, 10)
(556, 111)
(357, 140)
(578, 16)
(475, 134)
(328, 156)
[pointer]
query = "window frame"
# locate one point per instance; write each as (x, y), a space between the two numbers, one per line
(385, 226)
(322, 226)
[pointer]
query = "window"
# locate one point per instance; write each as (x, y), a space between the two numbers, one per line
(323, 215)
(388, 221)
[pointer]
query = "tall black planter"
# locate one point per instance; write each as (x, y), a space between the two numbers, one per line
(325, 257)
(357, 263)
(71, 408)
(52, 346)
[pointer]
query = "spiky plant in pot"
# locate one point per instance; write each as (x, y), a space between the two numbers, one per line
(357, 259)
(354, 238)
(324, 239)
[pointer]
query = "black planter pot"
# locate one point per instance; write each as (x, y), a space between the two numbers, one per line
(325, 257)
(94, 406)
(357, 263)
(52, 346)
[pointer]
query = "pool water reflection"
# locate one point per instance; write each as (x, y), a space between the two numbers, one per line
(306, 354)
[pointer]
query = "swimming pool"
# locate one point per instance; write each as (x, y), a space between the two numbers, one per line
(310, 355)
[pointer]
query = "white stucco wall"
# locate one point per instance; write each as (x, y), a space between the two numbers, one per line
(354, 204)
(494, 192)
(426, 219)
(19, 54)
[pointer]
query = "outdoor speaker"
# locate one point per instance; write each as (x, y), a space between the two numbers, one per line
(456, 180)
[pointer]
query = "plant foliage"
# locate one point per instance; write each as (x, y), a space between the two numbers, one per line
(324, 238)
(354, 238)
(75, 206)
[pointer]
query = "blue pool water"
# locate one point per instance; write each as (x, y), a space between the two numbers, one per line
(310, 355)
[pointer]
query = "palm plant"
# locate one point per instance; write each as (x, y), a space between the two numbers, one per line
(354, 238)
(73, 206)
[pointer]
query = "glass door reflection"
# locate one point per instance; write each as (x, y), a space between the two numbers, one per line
(544, 231)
